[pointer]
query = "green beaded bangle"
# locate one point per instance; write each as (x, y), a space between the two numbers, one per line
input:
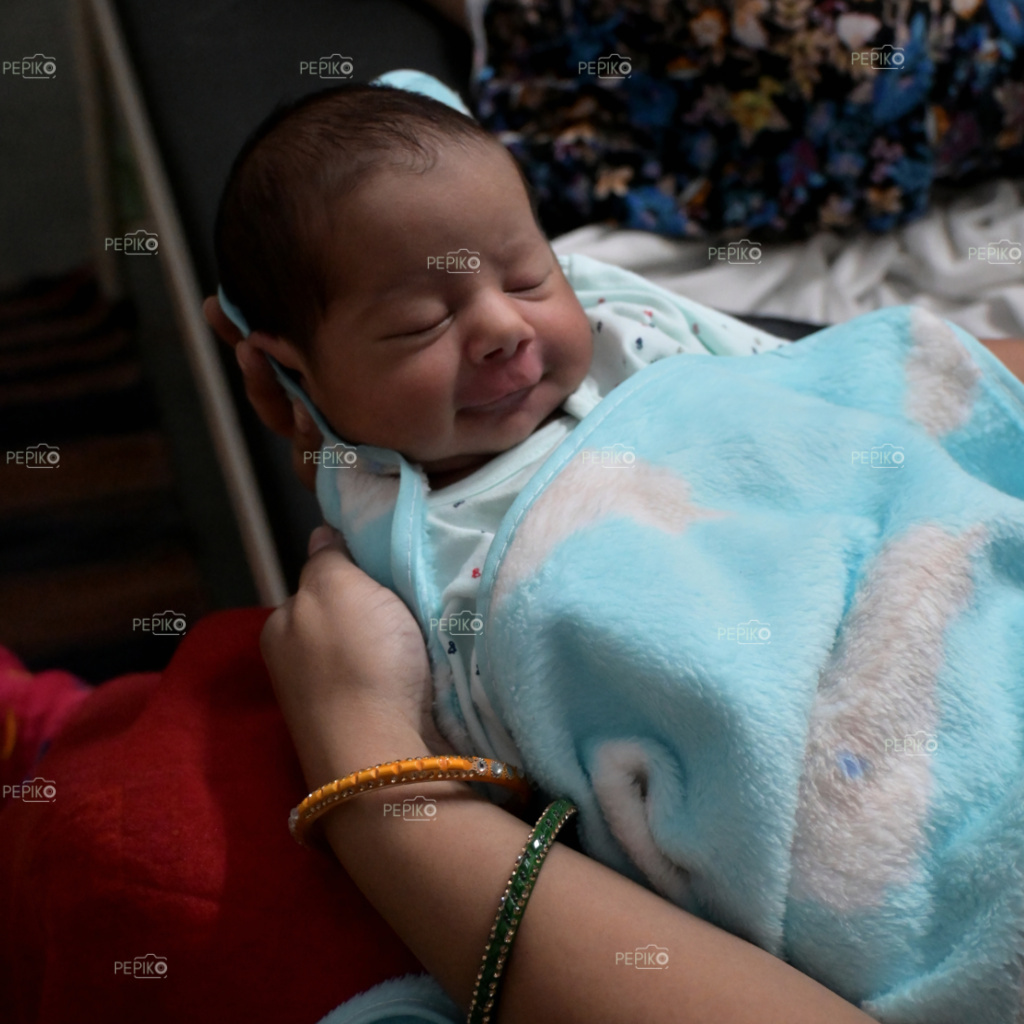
(511, 907)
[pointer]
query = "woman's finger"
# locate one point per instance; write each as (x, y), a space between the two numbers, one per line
(322, 537)
(328, 556)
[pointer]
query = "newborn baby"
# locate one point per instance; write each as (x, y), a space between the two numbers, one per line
(758, 618)
(448, 368)
(376, 193)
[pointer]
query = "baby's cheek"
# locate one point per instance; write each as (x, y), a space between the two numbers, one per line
(582, 346)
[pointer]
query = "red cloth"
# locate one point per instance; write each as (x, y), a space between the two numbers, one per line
(33, 708)
(168, 836)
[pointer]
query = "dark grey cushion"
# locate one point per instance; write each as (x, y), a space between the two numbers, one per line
(209, 74)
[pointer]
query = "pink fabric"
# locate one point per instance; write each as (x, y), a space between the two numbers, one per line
(33, 708)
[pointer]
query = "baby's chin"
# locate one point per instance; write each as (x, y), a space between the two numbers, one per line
(513, 429)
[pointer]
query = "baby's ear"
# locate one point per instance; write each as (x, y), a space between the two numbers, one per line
(287, 354)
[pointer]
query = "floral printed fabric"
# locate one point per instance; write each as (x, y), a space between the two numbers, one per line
(752, 116)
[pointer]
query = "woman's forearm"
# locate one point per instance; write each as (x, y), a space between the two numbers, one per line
(1010, 351)
(437, 882)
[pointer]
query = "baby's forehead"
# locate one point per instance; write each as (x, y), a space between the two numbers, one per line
(444, 154)
(393, 190)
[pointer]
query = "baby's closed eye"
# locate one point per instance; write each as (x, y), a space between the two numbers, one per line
(420, 327)
(528, 284)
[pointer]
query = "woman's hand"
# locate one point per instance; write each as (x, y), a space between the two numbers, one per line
(280, 413)
(1010, 351)
(350, 668)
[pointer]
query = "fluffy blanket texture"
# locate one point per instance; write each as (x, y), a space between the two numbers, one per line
(762, 620)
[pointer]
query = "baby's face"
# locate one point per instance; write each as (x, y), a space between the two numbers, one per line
(417, 359)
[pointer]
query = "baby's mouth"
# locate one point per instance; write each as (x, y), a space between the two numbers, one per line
(520, 378)
(510, 401)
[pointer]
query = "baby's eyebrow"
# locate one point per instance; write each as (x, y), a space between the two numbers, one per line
(428, 279)
(376, 306)
(387, 304)
(517, 248)
(417, 281)
(383, 294)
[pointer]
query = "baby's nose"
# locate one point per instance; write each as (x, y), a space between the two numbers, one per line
(503, 351)
(497, 350)
(500, 331)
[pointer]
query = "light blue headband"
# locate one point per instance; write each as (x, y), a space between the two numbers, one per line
(412, 81)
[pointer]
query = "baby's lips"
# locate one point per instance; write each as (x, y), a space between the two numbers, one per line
(530, 372)
(493, 401)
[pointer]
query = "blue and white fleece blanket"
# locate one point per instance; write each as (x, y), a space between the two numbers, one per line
(762, 619)
(777, 657)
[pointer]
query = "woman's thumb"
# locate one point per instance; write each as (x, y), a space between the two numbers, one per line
(324, 536)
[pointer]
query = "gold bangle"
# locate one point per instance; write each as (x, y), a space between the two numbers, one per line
(402, 773)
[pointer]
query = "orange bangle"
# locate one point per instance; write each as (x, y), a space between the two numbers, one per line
(402, 773)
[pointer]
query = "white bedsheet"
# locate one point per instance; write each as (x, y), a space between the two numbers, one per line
(828, 279)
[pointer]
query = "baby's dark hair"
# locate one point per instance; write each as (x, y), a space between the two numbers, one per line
(273, 228)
